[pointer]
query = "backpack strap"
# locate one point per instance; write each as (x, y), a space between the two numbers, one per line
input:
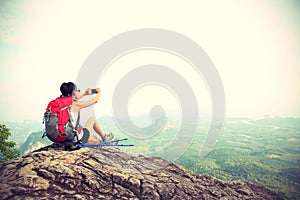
(67, 107)
(77, 125)
(78, 121)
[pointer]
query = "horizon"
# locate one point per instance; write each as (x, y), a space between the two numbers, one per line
(146, 118)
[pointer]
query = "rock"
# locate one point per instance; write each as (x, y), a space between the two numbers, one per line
(109, 173)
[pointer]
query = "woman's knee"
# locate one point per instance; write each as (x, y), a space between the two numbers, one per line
(90, 122)
(92, 119)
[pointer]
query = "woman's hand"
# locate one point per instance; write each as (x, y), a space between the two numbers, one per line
(98, 90)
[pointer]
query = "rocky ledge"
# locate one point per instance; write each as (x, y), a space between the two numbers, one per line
(109, 173)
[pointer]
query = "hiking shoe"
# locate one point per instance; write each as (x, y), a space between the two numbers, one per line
(108, 137)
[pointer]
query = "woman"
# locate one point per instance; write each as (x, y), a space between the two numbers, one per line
(84, 133)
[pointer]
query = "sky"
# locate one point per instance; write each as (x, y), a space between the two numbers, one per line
(254, 45)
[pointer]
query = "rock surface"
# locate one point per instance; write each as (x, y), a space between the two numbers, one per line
(109, 173)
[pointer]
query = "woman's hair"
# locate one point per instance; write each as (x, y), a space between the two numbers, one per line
(67, 89)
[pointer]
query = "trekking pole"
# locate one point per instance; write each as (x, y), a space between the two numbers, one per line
(108, 143)
(101, 144)
(123, 145)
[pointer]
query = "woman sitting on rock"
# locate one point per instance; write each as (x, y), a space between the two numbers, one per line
(84, 133)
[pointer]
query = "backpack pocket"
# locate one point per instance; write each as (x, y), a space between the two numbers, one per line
(51, 125)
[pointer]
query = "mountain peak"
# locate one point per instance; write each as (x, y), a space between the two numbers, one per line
(109, 173)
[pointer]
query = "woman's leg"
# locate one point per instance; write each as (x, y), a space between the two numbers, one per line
(93, 124)
(94, 139)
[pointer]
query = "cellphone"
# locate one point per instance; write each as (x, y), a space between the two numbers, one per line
(93, 91)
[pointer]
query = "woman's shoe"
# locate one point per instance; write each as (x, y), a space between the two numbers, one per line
(108, 137)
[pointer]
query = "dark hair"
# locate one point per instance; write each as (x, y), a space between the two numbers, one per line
(67, 89)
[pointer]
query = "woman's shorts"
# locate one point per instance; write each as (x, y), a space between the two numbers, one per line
(84, 135)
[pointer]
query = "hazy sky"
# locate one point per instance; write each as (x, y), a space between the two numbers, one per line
(254, 44)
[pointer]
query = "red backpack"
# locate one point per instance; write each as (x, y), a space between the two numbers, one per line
(57, 119)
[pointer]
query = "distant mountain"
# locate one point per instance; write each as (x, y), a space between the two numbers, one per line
(106, 120)
(142, 120)
(34, 142)
(21, 130)
(283, 123)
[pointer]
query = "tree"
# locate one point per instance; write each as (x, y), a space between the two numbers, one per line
(7, 148)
